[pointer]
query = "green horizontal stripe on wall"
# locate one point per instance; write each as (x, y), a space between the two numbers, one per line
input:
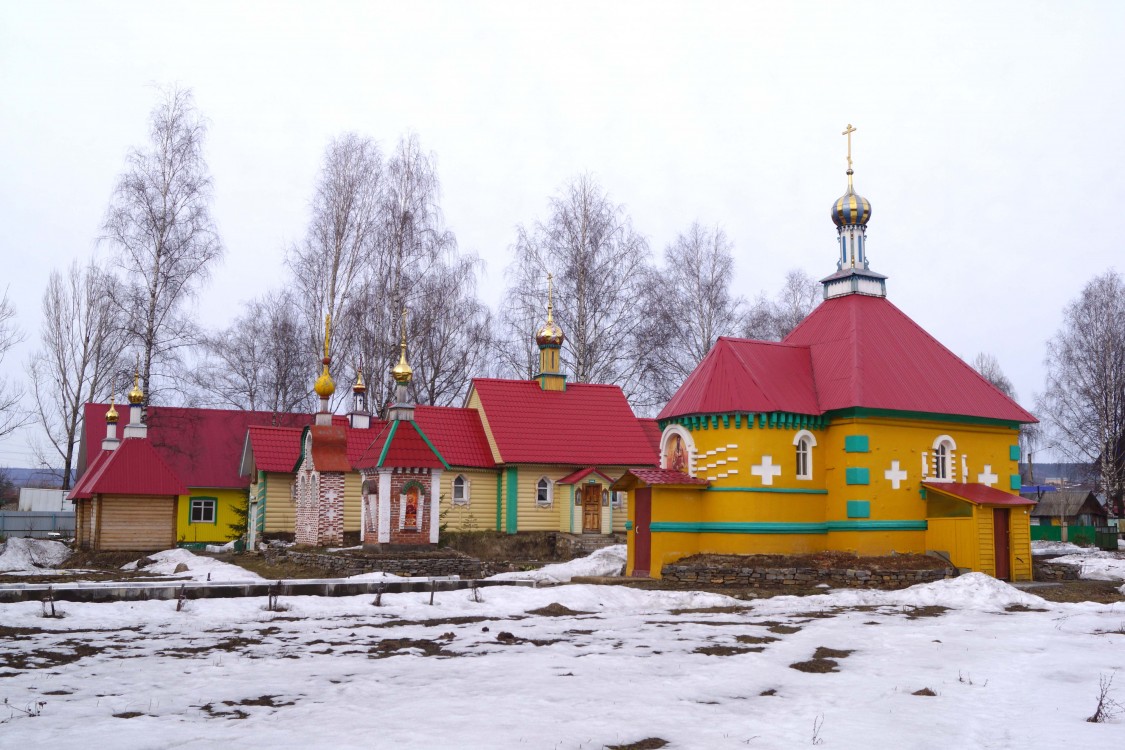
(860, 412)
(720, 527)
(783, 490)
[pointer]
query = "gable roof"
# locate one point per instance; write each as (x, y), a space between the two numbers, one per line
(401, 444)
(1068, 503)
(133, 468)
(851, 351)
(329, 448)
(457, 433)
(587, 424)
(273, 448)
(575, 477)
(203, 446)
(653, 433)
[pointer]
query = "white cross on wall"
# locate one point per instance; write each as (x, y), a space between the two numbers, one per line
(895, 475)
(987, 477)
(766, 470)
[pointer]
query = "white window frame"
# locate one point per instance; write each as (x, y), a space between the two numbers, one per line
(204, 503)
(465, 496)
(617, 500)
(943, 458)
(546, 484)
(804, 441)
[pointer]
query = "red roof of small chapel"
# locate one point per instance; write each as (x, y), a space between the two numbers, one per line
(851, 351)
(586, 425)
(133, 468)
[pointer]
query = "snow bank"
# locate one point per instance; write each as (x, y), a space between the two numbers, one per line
(1097, 564)
(378, 575)
(20, 553)
(608, 561)
(217, 548)
(972, 591)
(198, 568)
(1044, 547)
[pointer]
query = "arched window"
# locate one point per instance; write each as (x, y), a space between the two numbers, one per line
(676, 449)
(803, 444)
(943, 458)
(544, 492)
(460, 490)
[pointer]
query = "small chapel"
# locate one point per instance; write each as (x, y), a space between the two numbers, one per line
(858, 432)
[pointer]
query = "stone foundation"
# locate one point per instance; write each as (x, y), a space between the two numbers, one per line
(751, 577)
(1049, 571)
(347, 565)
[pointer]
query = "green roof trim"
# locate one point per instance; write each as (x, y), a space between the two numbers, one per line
(386, 444)
(433, 447)
(724, 527)
(861, 412)
(746, 420)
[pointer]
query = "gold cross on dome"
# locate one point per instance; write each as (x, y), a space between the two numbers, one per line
(848, 132)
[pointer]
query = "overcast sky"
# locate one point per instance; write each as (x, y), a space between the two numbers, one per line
(990, 136)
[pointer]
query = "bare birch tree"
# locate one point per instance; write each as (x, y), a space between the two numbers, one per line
(12, 414)
(330, 264)
(989, 368)
(772, 319)
(689, 305)
(159, 221)
(601, 269)
(1084, 402)
(80, 355)
(260, 362)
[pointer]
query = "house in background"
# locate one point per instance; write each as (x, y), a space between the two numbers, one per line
(859, 432)
(127, 497)
(1062, 514)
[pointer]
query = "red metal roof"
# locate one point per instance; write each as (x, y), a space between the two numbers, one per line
(851, 351)
(275, 448)
(652, 432)
(978, 494)
(457, 433)
(577, 476)
(203, 446)
(329, 448)
(360, 440)
(401, 445)
(747, 375)
(666, 477)
(134, 468)
(868, 353)
(584, 425)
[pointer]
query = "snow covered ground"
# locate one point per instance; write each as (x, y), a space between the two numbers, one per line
(1095, 563)
(199, 568)
(26, 554)
(602, 665)
(608, 561)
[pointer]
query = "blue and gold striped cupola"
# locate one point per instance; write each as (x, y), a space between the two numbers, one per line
(851, 208)
(850, 214)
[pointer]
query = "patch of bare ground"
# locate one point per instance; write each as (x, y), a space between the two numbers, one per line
(512, 640)
(648, 743)
(554, 609)
(824, 660)
(45, 658)
(728, 650)
(466, 620)
(397, 646)
(234, 643)
(755, 639)
(128, 714)
(783, 629)
(1102, 592)
(735, 610)
(276, 569)
(1023, 608)
(924, 691)
(933, 610)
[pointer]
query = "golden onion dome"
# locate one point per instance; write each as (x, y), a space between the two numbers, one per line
(111, 416)
(325, 386)
(550, 334)
(360, 386)
(402, 372)
(135, 394)
(851, 208)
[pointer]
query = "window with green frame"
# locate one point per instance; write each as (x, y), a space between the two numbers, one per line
(202, 510)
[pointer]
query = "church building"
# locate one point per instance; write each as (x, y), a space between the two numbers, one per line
(858, 432)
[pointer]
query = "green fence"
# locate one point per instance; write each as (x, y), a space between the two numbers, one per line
(1074, 534)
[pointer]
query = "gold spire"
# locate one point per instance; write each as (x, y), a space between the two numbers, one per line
(325, 386)
(550, 334)
(848, 132)
(136, 395)
(402, 372)
(111, 415)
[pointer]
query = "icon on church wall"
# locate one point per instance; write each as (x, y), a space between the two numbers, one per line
(675, 454)
(411, 520)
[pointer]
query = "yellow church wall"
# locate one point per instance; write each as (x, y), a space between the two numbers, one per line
(281, 508)
(668, 505)
(531, 516)
(219, 532)
(955, 537)
(480, 512)
(1020, 542)
(353, 500)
